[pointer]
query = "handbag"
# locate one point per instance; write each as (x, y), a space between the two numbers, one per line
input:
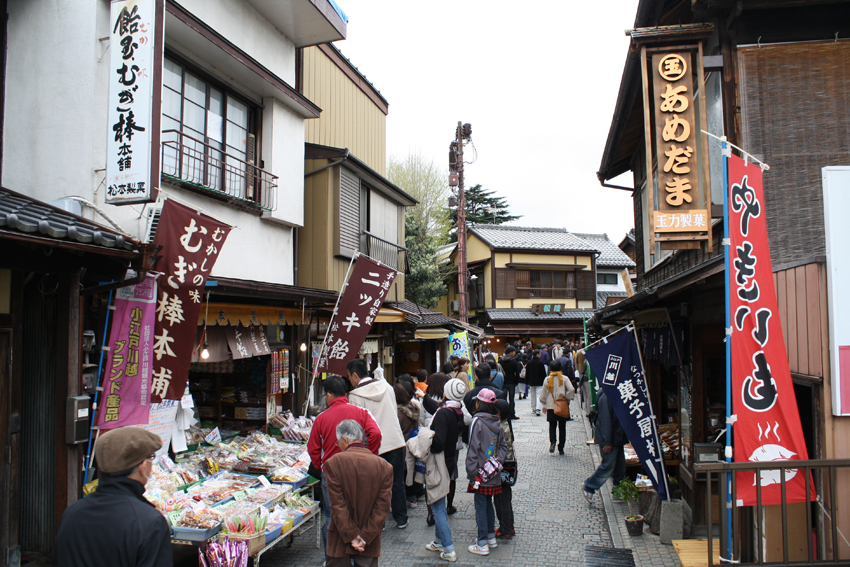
(510, 473)
(522, 373)
(562, 408)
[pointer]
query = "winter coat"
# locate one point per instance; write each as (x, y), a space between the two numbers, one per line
(408, 418)
(322, 442)
(114, 527)
(561, 388)
(486, 440)
(446, 426)
(498, 379)
(608, 428)
(511, 368)
(544, 357)
(469, 398)
(378, 397)
(535, 372)
(437, 476)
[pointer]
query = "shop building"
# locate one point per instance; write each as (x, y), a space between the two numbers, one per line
(756, 70)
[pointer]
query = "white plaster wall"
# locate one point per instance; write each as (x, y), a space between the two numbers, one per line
(246, 28)
(283, 155)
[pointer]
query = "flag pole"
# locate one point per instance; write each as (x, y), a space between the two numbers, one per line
(633, 330)
(726, 151)
(324, 341)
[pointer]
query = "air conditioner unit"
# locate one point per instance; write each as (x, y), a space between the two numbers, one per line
(455, 306)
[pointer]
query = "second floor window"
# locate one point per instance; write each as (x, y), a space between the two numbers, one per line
(607, 279)
(545, 284)
(207, 134)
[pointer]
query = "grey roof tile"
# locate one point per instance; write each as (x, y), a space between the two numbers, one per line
(610, 254)
(602, 297)
(501, 236)
(505, 315)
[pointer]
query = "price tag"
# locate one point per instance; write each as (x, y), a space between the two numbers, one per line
(239, 496)
(187, 402)
(174, 517)
(198, 506)
(264, 481)
(213, 437)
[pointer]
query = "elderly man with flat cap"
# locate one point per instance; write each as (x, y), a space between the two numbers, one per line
(116, 526)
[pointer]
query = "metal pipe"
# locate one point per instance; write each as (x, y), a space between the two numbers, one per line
(784, 508)
(728, 338)
(331, 164)
(97, 385)
(616, 186)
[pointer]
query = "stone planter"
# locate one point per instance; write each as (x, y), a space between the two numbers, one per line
(635, 527)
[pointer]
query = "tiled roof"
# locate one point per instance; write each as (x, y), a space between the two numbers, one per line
(419, 316)
(602, 297)
(505, 315)
(22, 214)
(518, 237)
(610, 254)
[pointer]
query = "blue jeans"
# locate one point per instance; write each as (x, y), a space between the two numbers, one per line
(326, 514)
(441, 525)
(398, 504)
(613, 464)
(485, 517)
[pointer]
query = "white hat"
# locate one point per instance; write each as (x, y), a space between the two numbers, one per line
(454, 389)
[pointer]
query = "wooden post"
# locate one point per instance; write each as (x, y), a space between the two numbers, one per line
(647, 135)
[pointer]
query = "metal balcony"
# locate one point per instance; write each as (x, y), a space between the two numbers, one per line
(384, 251)
(190, 161)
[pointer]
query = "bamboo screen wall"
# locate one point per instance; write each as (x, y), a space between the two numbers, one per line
(795, 115)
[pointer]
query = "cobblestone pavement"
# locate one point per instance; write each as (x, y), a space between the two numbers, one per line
(553, 521)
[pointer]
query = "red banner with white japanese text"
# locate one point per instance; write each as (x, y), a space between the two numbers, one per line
(359, 305)
(768, 422)
(127, 376)
(191, 243)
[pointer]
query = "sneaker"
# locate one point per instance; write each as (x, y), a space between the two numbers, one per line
(588, 495)
(450, 557)
(493, 543)
(434, 546)
(411, 504)
(504, 535)
(402, 526)
(478, 550)
(551, 447)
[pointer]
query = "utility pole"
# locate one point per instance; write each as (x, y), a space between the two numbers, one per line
(463, 132)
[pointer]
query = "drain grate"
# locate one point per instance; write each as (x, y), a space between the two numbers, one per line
(608, 557)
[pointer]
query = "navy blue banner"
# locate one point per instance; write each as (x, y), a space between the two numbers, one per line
(620, 373)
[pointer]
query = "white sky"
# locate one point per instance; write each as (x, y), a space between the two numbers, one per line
(537, 80)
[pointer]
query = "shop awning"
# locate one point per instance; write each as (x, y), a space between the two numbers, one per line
(387, 315)
(432, 333)
(544, 328)
(234, 314)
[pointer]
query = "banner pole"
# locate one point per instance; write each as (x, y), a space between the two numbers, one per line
(322, 348)
(728, 340)
(651, 411)
(96, 386)
(605, 338)
(591, 377)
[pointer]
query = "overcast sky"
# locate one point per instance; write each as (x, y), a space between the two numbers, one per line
(537, 80)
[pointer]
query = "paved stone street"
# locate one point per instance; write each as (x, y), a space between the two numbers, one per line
(553, 521)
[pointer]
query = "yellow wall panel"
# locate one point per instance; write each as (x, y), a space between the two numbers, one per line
(476, 250)
(544, 259)
(503, 304)
(502, 259)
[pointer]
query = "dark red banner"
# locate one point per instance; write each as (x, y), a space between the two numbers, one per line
(768, 422)
(191, 243)
(359, 305)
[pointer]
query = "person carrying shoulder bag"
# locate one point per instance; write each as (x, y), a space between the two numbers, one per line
(555, 397)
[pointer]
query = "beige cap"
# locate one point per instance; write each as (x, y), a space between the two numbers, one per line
(125, 448)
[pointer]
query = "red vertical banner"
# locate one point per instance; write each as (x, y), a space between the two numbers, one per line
(768, 421)
(359, 305)
(191, 243)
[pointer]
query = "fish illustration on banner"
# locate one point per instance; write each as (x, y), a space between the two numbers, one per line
(768, 422)
(358, 307)
(617, 364)
(191, 243)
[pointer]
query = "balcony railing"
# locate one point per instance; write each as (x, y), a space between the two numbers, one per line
(188, 160)
(386, 252)
(823, 538)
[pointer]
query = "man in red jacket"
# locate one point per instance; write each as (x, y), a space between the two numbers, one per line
(322, 444)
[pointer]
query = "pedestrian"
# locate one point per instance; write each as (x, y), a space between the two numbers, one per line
(482, 382)
(503, 503)
(462, 370)
(535, 373)
(496, 377)
(360, 489)
(486, 443)
(611, 439)
(557, 349)
(378, 397)
(441, 467)
(408, 419)
(511, 368)
(544, 354)
(556, 387)
(116, 525)
(322, 443)
(435, 383)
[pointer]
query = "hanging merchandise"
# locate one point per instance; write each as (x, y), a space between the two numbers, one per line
(279, 380)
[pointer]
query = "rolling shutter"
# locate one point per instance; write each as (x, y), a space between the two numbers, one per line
(505, 283)
(586, 286)
(349, 214)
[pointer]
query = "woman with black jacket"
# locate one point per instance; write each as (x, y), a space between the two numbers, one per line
(535, 374)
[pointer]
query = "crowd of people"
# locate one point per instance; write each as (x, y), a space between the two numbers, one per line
(418, 426)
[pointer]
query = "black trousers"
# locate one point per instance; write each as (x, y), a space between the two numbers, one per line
(504, 509)
(561, 424)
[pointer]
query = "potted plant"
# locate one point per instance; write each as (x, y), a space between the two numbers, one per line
(628, 493)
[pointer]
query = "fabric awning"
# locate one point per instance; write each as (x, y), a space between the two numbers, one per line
(228, 314)
(387, 315)
(432, 333)
(542, 328)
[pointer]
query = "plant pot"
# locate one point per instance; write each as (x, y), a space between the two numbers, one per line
(635, 527)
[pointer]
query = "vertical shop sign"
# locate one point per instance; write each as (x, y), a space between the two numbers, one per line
(354, 316)
(135, 89)
(617, 363)
(127, 376)
(191, 243)
(459, 344)
(768, 422)
(676, 133)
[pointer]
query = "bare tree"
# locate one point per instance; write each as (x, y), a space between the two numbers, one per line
(427, 183)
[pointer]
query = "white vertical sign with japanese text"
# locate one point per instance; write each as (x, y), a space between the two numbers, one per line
(132, 149)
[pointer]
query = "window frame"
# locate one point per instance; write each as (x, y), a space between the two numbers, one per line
(603, 275)
(527, 290)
